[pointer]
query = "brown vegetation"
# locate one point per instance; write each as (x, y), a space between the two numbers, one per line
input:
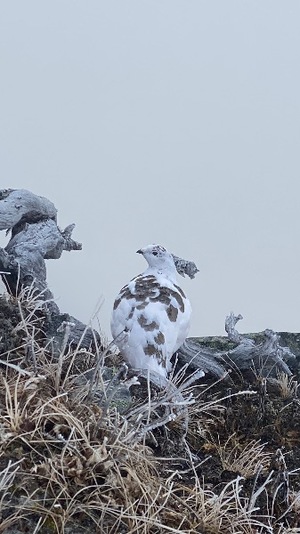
(81, 455)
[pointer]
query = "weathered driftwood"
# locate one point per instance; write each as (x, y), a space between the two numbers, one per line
(266, 353)
(20, 206)
(35, 237)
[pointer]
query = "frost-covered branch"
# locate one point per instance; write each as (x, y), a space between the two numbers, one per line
(185, 267)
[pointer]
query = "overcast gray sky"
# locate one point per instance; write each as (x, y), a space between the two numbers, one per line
(176, 122)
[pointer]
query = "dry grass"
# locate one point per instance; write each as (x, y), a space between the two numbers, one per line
(247, 459)
(287, 385)
(71, 462)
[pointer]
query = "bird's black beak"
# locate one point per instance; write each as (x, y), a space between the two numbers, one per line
(139, 251)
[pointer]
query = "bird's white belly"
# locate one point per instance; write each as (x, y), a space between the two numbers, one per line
(148, 337)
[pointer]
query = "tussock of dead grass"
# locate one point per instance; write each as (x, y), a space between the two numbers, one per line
(246, 459)
(70, 462)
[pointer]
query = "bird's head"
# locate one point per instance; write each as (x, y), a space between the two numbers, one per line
(158, 257)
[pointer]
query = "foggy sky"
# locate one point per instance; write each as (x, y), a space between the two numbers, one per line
(171, 122)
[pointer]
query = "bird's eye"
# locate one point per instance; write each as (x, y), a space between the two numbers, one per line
(154, 253)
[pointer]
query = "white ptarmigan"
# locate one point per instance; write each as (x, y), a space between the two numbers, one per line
(151, 314)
